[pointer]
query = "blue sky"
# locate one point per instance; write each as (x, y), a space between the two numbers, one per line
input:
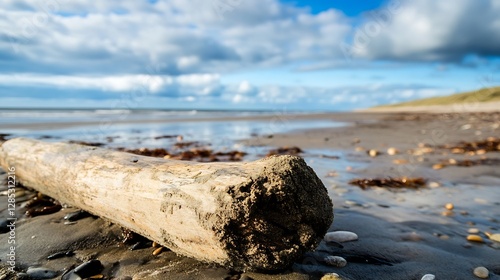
(241, 54)
(348, 7)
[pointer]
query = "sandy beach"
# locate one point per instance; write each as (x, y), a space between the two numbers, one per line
(404, 233)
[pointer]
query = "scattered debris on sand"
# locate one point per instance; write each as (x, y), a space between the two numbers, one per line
(466, 163)
(182, 145)
(490, 144)
(167, 137)
(193, 154)
(41, 205)
(392, 183)
(157, 152)
(293, 151)
(92, 144)
(3, 136)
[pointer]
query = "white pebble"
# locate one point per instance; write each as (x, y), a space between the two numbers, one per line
(429, 277)
(494, 236)
(392, 151)
(481, 272)
(340, 236)
(465, 127)
(473, 231)
(331, 276)
(373, 153)
(335, 261)
(434, 185)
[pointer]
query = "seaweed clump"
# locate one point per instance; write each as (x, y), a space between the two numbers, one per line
(392, 183)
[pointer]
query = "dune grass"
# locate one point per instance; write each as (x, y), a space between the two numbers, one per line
(483, 95)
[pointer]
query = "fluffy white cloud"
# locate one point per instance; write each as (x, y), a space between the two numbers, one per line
(178, 37)
(173, 37)
(428, 30)
(128, 90)
(197, 84)
(180, 49)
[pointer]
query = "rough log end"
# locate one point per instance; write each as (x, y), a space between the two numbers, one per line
(282, 213)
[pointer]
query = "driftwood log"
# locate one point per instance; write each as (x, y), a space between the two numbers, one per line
(259, 215)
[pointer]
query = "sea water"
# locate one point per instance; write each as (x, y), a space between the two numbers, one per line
(153, 128)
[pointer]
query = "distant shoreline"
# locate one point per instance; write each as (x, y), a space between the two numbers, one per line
(266, 117)
(353, 116)
(452, 108)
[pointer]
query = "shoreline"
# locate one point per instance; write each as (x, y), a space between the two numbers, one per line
(278, 117)
(473, 107)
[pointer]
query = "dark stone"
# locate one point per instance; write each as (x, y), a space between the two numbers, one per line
(77, 215)
(4, 226)
(61, 254)
(90, 268)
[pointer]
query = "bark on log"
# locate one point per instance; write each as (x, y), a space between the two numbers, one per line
(259, 215)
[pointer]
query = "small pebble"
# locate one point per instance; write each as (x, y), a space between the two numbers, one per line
(444, 237)
(481, 272)
(373, 153)
(473, 231)
(447, 213)
(71, 276)
(392, 151)
(449, 206)
(400, 161)
(434, 185)
(428, 277)
(475, 238)
(467, 245)
(335, 261)
(353, 203)
(481, 152)
(465, 127)
(437, 166)
(41, 273)
(77, 215)
(331, 276)
(20, 193)
(20, 276)
(157, 251)
(494, 236)
(341, 236)
(61, 254)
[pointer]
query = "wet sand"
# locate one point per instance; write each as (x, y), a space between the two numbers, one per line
(403, 234)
